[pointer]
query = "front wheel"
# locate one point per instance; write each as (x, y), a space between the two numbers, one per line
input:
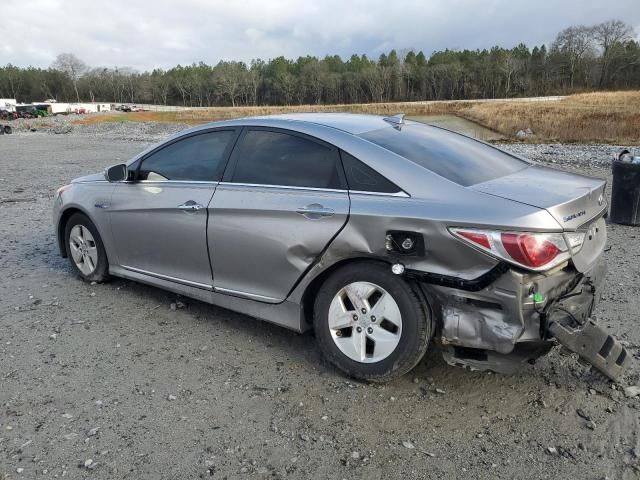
(85, 249)
(371, 324)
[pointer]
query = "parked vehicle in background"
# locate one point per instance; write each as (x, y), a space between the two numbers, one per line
(32, 110)
(43, 109)
(382, 235)
(26, 111)
(123, 108)
(8, 115)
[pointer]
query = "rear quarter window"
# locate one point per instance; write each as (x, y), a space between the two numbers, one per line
(362, 178)
(455, 157)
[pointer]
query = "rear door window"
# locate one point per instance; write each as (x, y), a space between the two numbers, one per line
(196, 158)
(450, 155)
(266, 157)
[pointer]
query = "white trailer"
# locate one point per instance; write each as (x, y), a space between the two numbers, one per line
(89, 107)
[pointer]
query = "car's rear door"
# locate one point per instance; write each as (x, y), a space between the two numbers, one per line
(159, 220)
(282, 200)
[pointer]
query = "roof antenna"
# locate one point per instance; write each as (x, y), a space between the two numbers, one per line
(397, 120)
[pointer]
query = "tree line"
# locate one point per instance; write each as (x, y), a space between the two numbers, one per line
(603, 56)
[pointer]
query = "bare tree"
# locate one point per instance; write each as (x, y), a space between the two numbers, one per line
(375, 82)
(575, 44)
(164, 87)
(229, 78)
(14, 79)
(72, 66)
(254, 78)
(315, 79)
(508, 67)
(611, 37)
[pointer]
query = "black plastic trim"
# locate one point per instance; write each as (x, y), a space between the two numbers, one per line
(475, 285)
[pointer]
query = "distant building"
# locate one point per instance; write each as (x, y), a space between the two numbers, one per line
(8, 104)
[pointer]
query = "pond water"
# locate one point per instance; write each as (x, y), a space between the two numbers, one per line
(460, 125)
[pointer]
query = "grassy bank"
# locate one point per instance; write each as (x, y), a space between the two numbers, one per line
(611, 117)
(604, 117)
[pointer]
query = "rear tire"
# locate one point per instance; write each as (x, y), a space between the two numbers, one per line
(85, 249)
(371, 324)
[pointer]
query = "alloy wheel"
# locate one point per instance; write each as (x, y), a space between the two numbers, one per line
(365, 322)
(83, 249)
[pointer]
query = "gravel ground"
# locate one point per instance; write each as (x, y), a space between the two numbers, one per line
(121, 380)
(59, 125)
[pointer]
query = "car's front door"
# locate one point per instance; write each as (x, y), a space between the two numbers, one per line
(282, 200)
(159, 220)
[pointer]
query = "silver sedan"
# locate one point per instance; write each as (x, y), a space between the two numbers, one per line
(382, 235)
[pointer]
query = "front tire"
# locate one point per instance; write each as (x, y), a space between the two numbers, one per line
(85, 249)
(371, 324)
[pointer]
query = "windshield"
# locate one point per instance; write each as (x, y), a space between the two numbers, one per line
(450, 155)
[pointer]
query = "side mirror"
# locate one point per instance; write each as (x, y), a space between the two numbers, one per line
(116, 173)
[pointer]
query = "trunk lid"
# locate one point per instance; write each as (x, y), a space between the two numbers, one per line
(576, 202)
(573, 200)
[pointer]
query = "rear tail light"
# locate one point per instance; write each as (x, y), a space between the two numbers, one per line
(531, 250)
(534, 251)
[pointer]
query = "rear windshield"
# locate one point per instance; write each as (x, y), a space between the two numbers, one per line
(450, 155)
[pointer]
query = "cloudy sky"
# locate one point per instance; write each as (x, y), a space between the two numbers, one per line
(145, 34)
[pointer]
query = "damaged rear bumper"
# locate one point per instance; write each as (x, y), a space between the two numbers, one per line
(511, 321)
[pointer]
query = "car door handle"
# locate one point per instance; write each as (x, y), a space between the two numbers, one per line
(315, 210)
(190, 206)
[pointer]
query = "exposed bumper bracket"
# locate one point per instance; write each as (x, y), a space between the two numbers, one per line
(595, 346)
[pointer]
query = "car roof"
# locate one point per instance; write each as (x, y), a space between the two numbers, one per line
(354, 123)
(343, 131)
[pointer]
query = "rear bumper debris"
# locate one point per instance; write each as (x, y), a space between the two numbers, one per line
(569, 319)
(593, 345)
